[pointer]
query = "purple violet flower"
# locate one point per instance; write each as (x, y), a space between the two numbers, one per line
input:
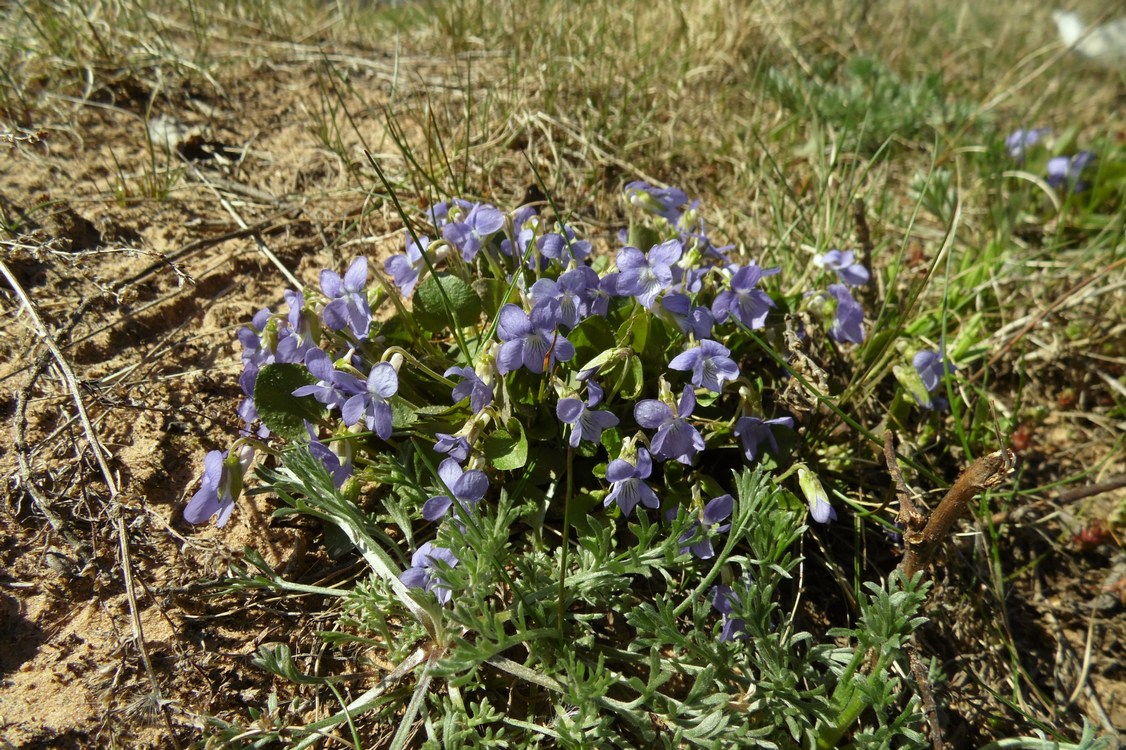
(745, 301)
(468, 487)
(1021, 140)
(628, 487)
(695, 320)
(327, 389)
(470, 235)
(219, 487)
(479, 393)
(439, 214)
(848, 325)
(753, 431)
(586, 423)
(676, 438)
(931, 367)
(532, 342)
(571, 292)
(663, 202)
(349, 306)
(255, 354)
(404, 268)
(456, 448)
(424, 569)
(717, 510)
(724, 600)
(849, 271)
(299, 338)
(338, 469)
(564, 249)
(645, 275)
(1066, 172)
(371, 399)
(710, 364)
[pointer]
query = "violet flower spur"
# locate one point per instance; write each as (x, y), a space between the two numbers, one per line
(468, 487)
(644, 276)
(676, 438)
(753, 431)
(371, 401)
(348, 307)
(423, 572)
(219, 487)
(586, 423)
(845, 266)
(848, 323)
(710, 365)
(628, 487)
(479, 393)
(533, 342)
(717, 510)
(470, 235)
(405, 268)
(745, 301)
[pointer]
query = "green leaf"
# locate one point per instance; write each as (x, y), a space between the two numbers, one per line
(591, 337)
(493, 294)
(508, 449)
(279, 409)
(430, 308)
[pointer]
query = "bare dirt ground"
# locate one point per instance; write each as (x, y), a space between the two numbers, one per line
(110, 639)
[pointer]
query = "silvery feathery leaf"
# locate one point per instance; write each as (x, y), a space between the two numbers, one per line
(1105, 43)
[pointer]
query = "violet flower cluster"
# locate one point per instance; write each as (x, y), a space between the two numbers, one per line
(671, 387)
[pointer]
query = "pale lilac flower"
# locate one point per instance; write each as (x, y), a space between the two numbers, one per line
(456, 448)
(643, 275)
(676, 437)
(753, 431)
(815, 496)
(371, 401)
(717, 510)
(219, 487)
(710, 364)
(468, 487)
(349, 306)
(931, 367)
(532, 342)
(745, 301)
(479, 393)
(405, 268)
(848, 324)
(628, 487)
(470, 235)
(439, 214)
(586, 423)
(424, 569)
(845, 265)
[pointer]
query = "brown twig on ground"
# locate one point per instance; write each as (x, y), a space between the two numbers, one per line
(986, 472)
